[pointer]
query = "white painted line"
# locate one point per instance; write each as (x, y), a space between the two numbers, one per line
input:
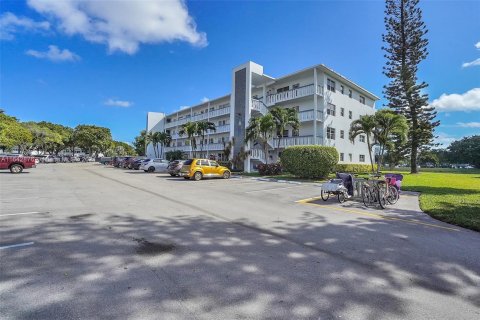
(19, 213)
(17, 245)
(271, 189)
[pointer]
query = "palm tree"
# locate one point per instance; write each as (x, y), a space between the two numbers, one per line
(365, 125)
(164, 139)
(150, 138)
(260, 129)
(284, 118)
(388, 127)
(190, 129)
(202, 128)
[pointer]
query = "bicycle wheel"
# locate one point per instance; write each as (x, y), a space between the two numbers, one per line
(325, 195)
(342, 197)
(382, 199)
(392, 196)
(366, 196)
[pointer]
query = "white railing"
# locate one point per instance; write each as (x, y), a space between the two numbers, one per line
(259, 106)
(199, 117)
(320, 90)
(297, 141)
(290, 94)
(181, 148)
(308, 115)
(219, 112)
(211, 146)
(257, 154)
(220, 129)
(319, 115)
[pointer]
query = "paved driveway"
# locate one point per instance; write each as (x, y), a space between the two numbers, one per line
(98, 242)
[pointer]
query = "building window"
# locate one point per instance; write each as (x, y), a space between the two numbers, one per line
(342, 134)
(330, 133)
(350, 93)
(211, 140)
(362, 138)
(342, 89)
(341, 156)
(283, 89)
(342, 111)
(330, 85)
(349, 114)
(362, 99)
(295, 133)
(331, 109)
(296, 86)
(362, 158)
(350, 157)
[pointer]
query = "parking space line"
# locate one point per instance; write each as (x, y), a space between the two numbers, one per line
(375, 215)
(19, 213)
(271, 189)
(17, 245)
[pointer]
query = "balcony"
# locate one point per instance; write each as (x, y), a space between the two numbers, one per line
(308, 115)
(297, 141)
(259, 106)
(220, 129)
(198, 117)
(219, 112)
(304, 91)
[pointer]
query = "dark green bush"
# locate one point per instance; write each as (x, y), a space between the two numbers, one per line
(271, 169)
(354, 168)
(309, 161)
(174, 155)
(227, 164)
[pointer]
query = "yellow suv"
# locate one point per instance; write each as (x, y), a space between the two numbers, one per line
(197, 169)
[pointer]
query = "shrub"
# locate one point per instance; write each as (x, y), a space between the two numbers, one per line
(227, 164)
(309, 161)
(354, 168)
(174, 155)
(271, 169)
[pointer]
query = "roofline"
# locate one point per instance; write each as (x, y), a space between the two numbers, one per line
(325, 68)
(198, 105)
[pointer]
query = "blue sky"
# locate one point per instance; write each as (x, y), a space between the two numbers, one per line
(109, 63)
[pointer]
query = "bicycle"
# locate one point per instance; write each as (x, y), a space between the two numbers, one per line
(378, 190)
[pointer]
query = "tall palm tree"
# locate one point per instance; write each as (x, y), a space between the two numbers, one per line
(164, 139)
(260, 129)
(149, 139)
(284, 118)
(388, 127)
(202, 128)
(190, 129)
(365, 125)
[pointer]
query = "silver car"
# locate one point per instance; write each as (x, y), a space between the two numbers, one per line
(154, 165)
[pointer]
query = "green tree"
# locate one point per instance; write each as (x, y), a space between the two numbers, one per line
(174, 155)
(150, 138)
(140, 143)
(44, 139)
(164, 139)
(13, 133)
(260, 130)
(388, 127)
(62, 135)
(365, 126)
(92, 138)
(284, 118)
(467, 150)
(190, 130)
(428, 157)
(202, 128)
(405, 47)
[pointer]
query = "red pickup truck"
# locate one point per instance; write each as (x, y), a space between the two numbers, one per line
(16, 164)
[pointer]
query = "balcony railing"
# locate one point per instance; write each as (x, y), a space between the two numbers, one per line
(308, 115)
(259, 106)
(220, 129)
(198, 117)
(219, 112)
(257, 154)
(304, 91)
(297, 141)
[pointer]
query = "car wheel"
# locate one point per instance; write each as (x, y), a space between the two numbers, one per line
(197, 176)
(16, 168)
(151, 169)
(145, 170)
(226, 175)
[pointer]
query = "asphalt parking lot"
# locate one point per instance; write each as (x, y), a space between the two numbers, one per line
(84, 241)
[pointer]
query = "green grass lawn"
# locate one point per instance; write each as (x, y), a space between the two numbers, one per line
(450, 195)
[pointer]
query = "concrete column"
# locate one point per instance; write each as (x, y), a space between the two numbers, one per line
(315, 105)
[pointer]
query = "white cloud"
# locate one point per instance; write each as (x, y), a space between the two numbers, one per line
(54, 54)
(123, 25)
(204, 99)
(477, 45)
(118, 103)
(468, 101)
(11, 24)
(473, 63)
(469, 124)
(444, 140)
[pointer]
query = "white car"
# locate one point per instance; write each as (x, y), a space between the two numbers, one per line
(154, 165)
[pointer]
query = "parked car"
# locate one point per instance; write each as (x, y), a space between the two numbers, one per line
(16, 163)
(117, 161)
(197, 169)
(137, 163)
(105, 160)
(130, 162)
(50, 159)
(154, 165)
(126, 161)
(174, 167)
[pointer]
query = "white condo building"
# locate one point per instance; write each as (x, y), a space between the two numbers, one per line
(326, 102)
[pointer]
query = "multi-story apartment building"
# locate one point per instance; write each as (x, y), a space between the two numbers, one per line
(326, 102)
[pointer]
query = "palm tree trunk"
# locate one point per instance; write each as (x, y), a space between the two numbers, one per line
(370, 153)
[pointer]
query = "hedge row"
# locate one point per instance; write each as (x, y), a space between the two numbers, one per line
(271, 169)
(309, 161)
(354, 168)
